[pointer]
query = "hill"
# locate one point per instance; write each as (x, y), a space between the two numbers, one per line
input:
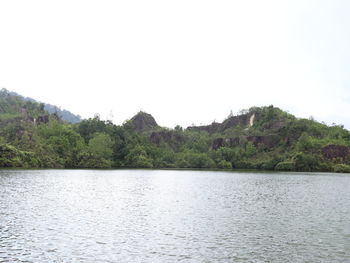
(143, 121)
(264, 138)
(65, 115)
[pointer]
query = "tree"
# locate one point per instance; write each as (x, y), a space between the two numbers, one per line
(98, 152)
(100, 145)
(64, 142)
(225, 165)
(138, 158)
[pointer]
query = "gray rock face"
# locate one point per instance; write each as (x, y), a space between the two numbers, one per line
(241, 120)
(335, 151)
(166, 136)
(143, 121)
(268, 140)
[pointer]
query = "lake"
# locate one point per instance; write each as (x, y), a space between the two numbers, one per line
(173, 216)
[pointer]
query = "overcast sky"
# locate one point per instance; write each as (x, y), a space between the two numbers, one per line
(182, 61)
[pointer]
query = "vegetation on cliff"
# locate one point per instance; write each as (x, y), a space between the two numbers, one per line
(65, 115)
(265, 138)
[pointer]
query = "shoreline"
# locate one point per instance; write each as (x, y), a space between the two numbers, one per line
(175, 169)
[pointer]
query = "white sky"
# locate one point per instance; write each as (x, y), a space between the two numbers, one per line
(182, 61)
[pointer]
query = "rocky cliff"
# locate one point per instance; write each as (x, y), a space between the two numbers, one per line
(143, 121)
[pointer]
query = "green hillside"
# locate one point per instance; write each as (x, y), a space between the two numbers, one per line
(65, 115)
(264, 138)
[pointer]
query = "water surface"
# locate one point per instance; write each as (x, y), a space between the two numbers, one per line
(173, 216)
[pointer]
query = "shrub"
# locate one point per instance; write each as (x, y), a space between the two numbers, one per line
(225, 165)
(341, 168)
(306, 162)
(285, 166)
(198, 160)
(270, 164)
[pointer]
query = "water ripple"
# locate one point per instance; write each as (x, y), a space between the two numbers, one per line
(172, 216)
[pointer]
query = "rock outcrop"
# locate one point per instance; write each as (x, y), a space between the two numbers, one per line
(173, 139)
(245, 120)
(268, 140)
(143, 121)
(226, 142)
(335, 151)
(166, 136)
(43, 119)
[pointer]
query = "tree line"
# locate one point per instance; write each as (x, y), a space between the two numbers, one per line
(275, 141)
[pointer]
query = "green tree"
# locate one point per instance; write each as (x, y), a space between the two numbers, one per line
(100, 145)
(138, 158)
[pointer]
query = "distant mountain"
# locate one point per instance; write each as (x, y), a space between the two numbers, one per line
(65, 115)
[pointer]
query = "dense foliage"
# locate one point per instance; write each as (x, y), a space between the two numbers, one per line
(62, 113)
(264, 138)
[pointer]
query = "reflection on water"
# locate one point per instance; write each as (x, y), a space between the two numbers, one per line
(171, 216)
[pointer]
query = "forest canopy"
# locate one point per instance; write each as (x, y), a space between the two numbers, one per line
(265, 138)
